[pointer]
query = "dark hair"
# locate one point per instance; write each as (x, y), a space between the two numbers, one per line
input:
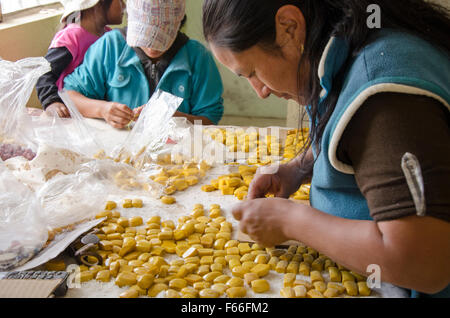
(183, 22)
(238, 25)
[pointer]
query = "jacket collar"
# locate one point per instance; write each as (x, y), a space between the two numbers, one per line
(333, 58)
(180, 62)
(128, 57)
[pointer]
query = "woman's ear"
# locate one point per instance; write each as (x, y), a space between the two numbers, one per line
(290, 26)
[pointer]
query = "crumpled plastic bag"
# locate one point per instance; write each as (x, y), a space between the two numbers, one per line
(23, 228)
(17, 80)
(22, 131)
(48, 163)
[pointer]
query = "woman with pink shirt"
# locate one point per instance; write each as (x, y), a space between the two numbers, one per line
(83, 21)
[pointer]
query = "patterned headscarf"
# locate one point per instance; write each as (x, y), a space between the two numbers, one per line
(154, 23)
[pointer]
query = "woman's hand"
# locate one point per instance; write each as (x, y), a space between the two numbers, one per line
(58, 108)
(266, 221)
(281, 180)
(117, 115)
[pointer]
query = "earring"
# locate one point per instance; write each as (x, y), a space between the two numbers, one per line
(302, 49)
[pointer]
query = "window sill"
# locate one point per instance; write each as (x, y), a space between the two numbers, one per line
(18, 18)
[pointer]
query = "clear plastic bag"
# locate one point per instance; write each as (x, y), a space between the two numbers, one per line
(22, 131)
(70, 199)
(66, 133)
(17, 80)
(151, 131)
(23, 229)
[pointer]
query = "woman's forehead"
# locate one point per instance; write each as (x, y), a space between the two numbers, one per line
(236, 61)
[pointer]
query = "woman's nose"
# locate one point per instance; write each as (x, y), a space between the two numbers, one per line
(262, 90)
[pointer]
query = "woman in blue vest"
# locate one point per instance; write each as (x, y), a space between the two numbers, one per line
(122, 70)
(378, 153)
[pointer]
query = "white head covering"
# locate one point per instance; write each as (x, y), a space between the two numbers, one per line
(154, 23)
(71, 6)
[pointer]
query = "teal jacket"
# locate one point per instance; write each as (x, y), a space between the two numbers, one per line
(112, 71)
(393, 62)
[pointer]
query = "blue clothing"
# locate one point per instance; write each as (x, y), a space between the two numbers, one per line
(112, 71)
(393, 61)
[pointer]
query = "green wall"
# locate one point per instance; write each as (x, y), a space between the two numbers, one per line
(239, 97)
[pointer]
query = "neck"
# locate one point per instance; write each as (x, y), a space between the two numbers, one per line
(155, 60)
(93, 22)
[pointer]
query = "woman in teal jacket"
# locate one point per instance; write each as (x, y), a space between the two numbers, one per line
(378, 155)
(116, 79)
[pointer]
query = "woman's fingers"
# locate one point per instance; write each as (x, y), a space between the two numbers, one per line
(123, 111)
(64, 112)
(261, 220)
(120, 115)
(259, 187)
(119, 121)
(236, 211)
(243, 228)
(263, 184)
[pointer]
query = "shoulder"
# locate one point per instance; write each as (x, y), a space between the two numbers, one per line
(72, 30)
(195, 45)
(192, 57)
(112, 43)
(196, 50)
(392, 62)
(113, 37)
(400, 42)
(69, 35)
(393, 53)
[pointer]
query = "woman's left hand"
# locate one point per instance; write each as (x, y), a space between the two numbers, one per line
(265, 220)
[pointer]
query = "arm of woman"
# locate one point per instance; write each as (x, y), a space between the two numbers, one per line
(412, 251)
(47, 90)
(116, 114)
(87, 85)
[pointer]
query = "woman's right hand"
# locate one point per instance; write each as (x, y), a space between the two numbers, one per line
(282, 180)
(117, 115)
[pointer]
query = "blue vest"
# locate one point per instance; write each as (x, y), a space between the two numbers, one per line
(393, 62)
